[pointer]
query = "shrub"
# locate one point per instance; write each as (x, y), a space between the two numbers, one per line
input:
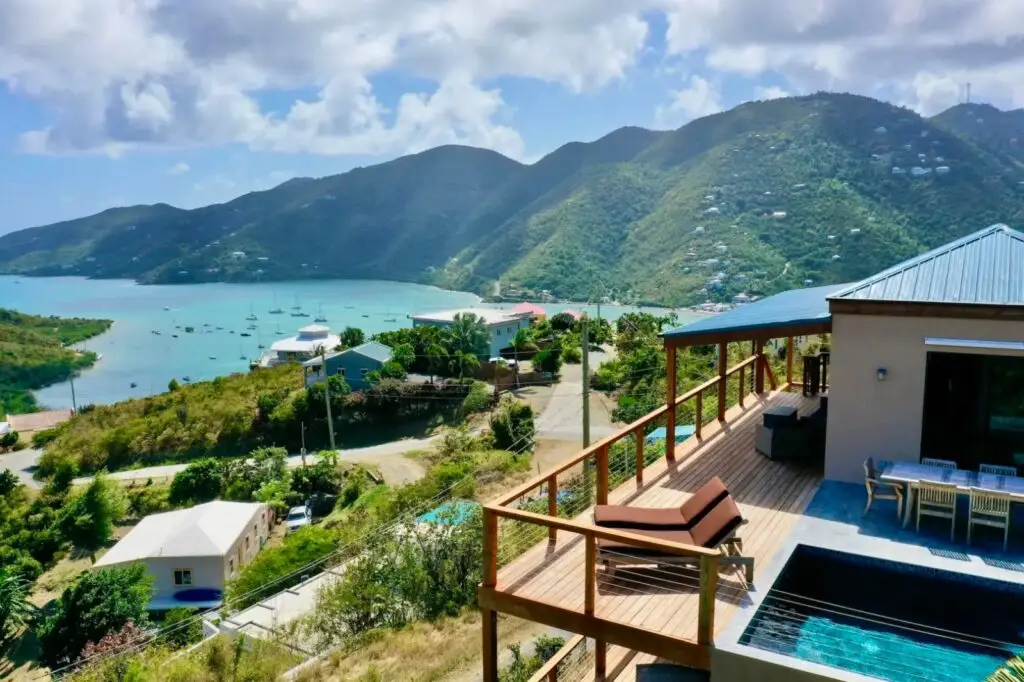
(272, 570)
(572, 355)
(548, 360)
(200, 481)
(512, 426)
(182, 626)
(478, 399)
(88, 519)
(146, 500)
(40, 439)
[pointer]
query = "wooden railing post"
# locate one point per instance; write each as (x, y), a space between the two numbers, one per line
(490, 645)
(590, 596)
(742, 386)
(639, 435)
(670, 401)
(602, 475)
(698, 423)
(789, 360)
(600, 660)
(553, 504)
(759, 367)
(490, 558)
(723, 367)
(708, 591)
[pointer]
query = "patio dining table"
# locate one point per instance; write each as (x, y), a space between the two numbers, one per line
(909, 474)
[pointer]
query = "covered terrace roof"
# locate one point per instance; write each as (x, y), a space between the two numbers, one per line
(798, 312)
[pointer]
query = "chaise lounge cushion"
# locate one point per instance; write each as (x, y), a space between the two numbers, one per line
(663, 518)
(715, 528)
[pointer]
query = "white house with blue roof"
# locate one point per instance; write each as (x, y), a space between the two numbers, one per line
(353, 364)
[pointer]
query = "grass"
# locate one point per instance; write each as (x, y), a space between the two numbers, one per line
(444, 651)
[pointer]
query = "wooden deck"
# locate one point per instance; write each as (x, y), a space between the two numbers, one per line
(771, 495)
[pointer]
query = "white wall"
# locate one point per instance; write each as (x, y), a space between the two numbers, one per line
(207, 571)
(882, 419)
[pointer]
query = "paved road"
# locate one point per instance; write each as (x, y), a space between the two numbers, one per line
(390, 458)
(562, 418)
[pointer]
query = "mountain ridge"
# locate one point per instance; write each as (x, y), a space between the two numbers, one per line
(766, 196)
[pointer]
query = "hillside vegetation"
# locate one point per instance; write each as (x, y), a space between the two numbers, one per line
(765, 197)
(34, 352)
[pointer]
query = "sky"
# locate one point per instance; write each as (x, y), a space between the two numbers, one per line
(190, 102)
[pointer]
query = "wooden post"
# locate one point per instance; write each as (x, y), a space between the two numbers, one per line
(706, 606)
(789, 360)
(490, 643)
(602, 475)
(600, 660)
(490, 558)
(553, 504)
(670, 400)
(742, 386)
(553, 675)
(590, 579)
(639, 435)
(759, 368)
(698, 423)
(723, 362)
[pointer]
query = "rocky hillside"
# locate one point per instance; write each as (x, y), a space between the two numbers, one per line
(767, 196)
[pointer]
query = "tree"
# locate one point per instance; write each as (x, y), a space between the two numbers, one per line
(8, 440)
(469, 335)
(463, 364)
(562, 322)
(404, 355)
(1010, 671)
(512, 426)
(88, 519)
(173, 385)
(437, 360)
(392, 370)
(200, 481)
(97, 604)
(548, 360)
(352, 337)
(8, 482)
(182, 626)
(15, 608)
(523, 342)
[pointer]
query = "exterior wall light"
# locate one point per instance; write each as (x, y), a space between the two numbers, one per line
(882, 373)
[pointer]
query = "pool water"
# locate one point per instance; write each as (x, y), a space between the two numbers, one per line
(198, 594)
(452, 513)
(888, 620)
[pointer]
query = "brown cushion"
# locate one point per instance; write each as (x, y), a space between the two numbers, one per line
(626, 548)
(663, 518)
(718, 524)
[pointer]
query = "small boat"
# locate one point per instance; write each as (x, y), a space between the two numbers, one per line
(186, 379)
(252, 327)
(190, 329)
(241, 354)
(174, 336)
(320, 314)
(391, 319)
(219, 328)
(167, 307)
(278, 330)
(261, 346)
(231, 332)
(213, 357)
(245, 334)
(155, 332)
(206, 324)
(276, 310)
(297, 306)
(251, 317)
(133, 384)
(300, 314)
(365, 315)
(349, 307)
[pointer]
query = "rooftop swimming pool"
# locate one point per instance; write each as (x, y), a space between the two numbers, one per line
(888, 620)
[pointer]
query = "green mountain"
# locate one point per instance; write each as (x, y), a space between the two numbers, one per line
(767, 196)
(998, 132)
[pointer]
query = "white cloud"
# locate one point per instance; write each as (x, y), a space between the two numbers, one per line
(699, 98)
(179, 168)
(770, 92)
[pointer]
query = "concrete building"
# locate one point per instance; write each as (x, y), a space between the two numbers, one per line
(502, 325)
(191, 553)
(302, 346)
(353, 364)
(864, 479)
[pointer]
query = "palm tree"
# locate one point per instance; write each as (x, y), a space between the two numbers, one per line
(1011, 671)
(464, 363)
(15, 608)
(523, 342)
(469, 334)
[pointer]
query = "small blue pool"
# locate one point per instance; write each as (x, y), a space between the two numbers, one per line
(451, 513)
(888, 620)
(198, 594)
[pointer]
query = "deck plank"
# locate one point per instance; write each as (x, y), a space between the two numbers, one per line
(771, 495)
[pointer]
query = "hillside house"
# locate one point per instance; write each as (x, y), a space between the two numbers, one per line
(353, 364)
(818, 581)
(501, 325)
(301, 347)
(191, 553)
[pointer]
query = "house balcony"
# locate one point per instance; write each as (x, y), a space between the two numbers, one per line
(542, 560)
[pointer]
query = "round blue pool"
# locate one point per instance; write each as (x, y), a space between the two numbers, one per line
(198, 594)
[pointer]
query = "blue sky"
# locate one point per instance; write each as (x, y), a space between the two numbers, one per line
(117, 102)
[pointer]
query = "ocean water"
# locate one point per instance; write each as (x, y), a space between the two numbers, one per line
(132, 353)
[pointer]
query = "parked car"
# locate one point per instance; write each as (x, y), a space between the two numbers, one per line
(298, 517)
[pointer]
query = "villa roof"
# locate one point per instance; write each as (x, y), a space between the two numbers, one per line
(489, 315)
(796, 312)
(204, 530)
(531, 308)
(370, 349)
(983, 268)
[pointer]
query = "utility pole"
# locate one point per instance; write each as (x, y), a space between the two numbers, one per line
(585, 342)
(303, 450)
(327, 395)
(74, 403)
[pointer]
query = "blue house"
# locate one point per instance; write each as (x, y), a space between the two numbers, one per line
(353, 364)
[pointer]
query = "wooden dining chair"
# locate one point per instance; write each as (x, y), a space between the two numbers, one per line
(881, 490)
(997, 469)
(939, 463)
(989, 509)
(937, 500)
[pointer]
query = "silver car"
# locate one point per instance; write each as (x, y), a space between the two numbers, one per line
(298, 517)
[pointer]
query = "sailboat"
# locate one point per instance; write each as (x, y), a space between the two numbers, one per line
(297, 309)
(320, 314)
(251, 317)
(278, 331)
(276, 310)
(241, 354)
(297, 306)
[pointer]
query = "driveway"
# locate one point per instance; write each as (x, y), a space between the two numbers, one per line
(562, 416)
(23, 463)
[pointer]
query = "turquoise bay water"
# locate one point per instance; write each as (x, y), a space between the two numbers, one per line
(133, 354)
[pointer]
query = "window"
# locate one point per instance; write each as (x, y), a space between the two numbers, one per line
(510, 330)
(363, 372)
(341, 372)
(183, 576)
(497, 332)
(246, 543)
(231, 566)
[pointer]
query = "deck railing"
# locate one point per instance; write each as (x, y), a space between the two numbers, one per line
(554, 502)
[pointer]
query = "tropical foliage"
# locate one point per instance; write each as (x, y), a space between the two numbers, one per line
(15, 608)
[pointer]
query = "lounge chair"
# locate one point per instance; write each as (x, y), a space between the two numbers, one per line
(717, 530)
(663, 518)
